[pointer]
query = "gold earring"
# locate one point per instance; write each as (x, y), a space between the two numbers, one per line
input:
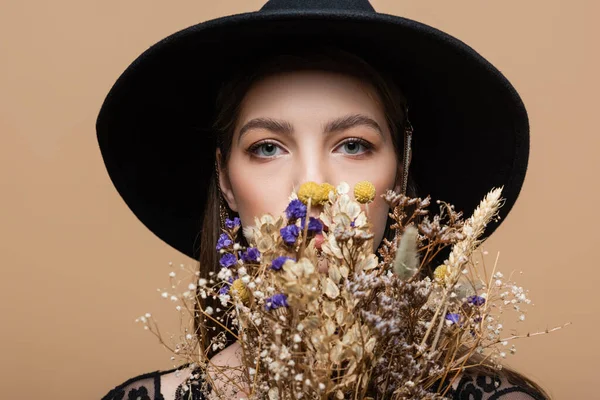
(408, 132)
(223, 214)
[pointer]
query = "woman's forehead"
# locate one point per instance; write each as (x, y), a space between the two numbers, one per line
(309, 94)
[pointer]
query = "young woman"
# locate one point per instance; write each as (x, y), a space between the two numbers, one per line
(191, 137)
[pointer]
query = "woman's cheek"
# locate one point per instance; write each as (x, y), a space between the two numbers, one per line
(379, 209)
(259, 190)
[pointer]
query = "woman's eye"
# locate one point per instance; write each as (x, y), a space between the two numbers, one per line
(265, 149)
(354, 147)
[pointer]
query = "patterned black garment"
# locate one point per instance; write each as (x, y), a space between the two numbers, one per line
(470, 387)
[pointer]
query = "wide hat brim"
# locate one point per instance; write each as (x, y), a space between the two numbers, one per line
(471, 130)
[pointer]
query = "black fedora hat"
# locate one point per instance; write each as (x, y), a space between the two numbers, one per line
(471, 130)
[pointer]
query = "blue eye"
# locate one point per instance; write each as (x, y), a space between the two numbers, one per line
(265, 149)
(354, 146)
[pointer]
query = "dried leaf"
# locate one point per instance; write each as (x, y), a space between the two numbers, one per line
(311, 322)
(329, 327)
(336, 353)
(370, 345)
(331, 289)
(334, 273)
(329, 308)
(368, 263)
(339, 316)
(344, 270)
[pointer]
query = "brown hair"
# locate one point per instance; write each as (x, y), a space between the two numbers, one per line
(228, 105)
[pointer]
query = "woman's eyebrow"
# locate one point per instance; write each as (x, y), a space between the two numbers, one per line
(350, 121)
(336, 125)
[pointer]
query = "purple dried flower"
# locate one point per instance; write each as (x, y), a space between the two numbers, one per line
(276, 301)
(314, 225)
(224, 241)
(454, 318)
(277, 263)
(296, 209)
(230, 224)
(251, 255)
(476, 300)
(227, 260)
(225, 288)
(290, 233)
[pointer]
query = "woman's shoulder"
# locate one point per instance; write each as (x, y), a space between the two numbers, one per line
(157, 385)
(490, 385)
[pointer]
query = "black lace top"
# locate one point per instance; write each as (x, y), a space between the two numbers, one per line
(470, 387)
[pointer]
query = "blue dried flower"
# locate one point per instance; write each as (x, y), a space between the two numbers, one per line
(230, 224)
(224, 241)
(227, 260)
(296, 209)
(251, 255)
(290, 233)
(454, 318)
(277, 263)
(314, 225)
(476, 300)
(276, 301)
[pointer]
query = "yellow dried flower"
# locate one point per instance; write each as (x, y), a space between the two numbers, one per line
(364, 192)
(325, 189)
(309, 190)
(239, 287)
(319, 194)
(441, 273)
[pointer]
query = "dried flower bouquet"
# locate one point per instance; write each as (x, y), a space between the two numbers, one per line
(319, 315)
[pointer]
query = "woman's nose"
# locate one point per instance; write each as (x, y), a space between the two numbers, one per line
(311, 169)
(317, 172)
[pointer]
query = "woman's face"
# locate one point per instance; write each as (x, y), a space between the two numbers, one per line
(304, 126)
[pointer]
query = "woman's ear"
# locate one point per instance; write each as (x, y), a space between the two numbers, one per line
(224, 182)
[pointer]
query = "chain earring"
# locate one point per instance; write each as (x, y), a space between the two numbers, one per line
(408, 132)
(223, 214)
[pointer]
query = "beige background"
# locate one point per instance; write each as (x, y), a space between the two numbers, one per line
(78, 268)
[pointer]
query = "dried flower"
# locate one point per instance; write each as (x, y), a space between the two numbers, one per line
(290, 233)
(224, 241)
(407, 262)
(476, 300)
(441, 273)
(230, 224)
(309, 190)
(295, 209)
(326, 189)
(224, 289)
(277, 263)
(276, 301)
(364, 327)
(251, 255)
(314, 225)
(318, 194)
(227, 260)
(364, 192)
(453, 318)
(239, 287)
